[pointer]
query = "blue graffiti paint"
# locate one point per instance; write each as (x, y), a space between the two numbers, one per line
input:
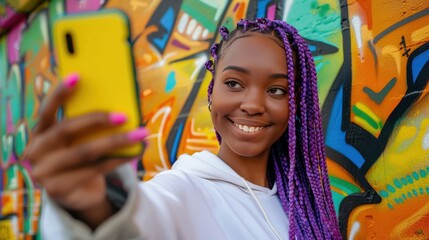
(409, 179)
(415, 176)
(176, 143)
(171, 82)
(167, 22)
(262, 8)
(336, 138)
(397, 183)
(390, 188)
(384, 193)
(418, 63)
(423, 173)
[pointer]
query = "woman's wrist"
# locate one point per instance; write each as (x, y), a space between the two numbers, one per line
(94, 217)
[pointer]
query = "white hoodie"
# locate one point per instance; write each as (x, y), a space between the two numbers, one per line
(200, 198)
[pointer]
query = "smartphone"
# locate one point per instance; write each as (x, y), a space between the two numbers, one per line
(97, 46)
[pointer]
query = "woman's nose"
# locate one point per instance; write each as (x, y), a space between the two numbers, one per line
(253, 103)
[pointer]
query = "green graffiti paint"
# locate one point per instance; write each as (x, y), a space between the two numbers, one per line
(29, 191)
(321, 9)
(20, 139)
(202, 13)
(337, 198)
(11, 110)
(344, 185)
(367, 118)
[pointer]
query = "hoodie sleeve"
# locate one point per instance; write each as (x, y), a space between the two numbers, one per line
(56, 222)
(157, 209)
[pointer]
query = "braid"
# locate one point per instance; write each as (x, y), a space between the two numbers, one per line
(298, 157)
(304, 143)
(321, 147)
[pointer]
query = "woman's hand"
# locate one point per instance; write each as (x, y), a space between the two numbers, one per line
(73, 174)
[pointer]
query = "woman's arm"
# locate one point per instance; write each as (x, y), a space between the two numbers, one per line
(73, 175)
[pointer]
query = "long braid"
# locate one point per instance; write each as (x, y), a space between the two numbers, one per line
(323, 211)
(321, 148)
(298, 157)
(303, 128)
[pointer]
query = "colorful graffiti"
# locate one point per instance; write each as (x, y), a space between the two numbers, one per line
(372, 60)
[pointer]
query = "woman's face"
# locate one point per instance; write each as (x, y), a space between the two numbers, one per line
(250, 97)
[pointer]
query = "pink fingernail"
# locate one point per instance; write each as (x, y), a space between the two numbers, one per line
(71, 80)
(138, 134)
(117, 118)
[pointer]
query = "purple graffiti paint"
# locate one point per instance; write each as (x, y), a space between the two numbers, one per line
(180, 45)
(236, 7)
(76, 6)
(271, 12)
(26, 164)
(14, 38)
(10, 18)
(9, 121)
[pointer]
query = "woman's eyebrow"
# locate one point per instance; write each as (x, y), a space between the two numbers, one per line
(245, 71)
(236, 68)
(279, 75)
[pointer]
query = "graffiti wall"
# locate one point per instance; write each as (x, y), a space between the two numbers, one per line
(372, 60)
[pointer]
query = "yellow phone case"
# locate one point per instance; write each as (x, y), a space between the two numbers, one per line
(96, 46)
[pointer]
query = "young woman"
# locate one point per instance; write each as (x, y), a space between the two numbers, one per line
(268, 181)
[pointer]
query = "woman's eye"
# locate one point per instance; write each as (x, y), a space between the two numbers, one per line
(277, 91)
(233, 84)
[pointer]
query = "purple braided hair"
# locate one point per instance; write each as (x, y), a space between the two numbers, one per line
(298, 157)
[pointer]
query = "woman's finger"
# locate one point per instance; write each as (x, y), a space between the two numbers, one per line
(67, 159)
(71, 129)
(49, 110)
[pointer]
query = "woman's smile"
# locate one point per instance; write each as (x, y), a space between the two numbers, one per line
(248, 129)
(248, 126)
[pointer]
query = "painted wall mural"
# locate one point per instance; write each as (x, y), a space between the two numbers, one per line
(372, 60)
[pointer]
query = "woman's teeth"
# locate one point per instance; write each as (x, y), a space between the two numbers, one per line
(248, 129)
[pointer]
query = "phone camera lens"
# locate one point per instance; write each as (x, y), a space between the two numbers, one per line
(69, 41)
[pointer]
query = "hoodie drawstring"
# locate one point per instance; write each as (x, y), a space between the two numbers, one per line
(262, 209)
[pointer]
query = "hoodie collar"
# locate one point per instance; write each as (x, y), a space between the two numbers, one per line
(209, 166)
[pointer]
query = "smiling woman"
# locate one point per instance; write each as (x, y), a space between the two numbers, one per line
(264, 79)
(250, 90)
(268, 181)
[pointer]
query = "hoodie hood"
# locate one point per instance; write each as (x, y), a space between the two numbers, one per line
(209, 166)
